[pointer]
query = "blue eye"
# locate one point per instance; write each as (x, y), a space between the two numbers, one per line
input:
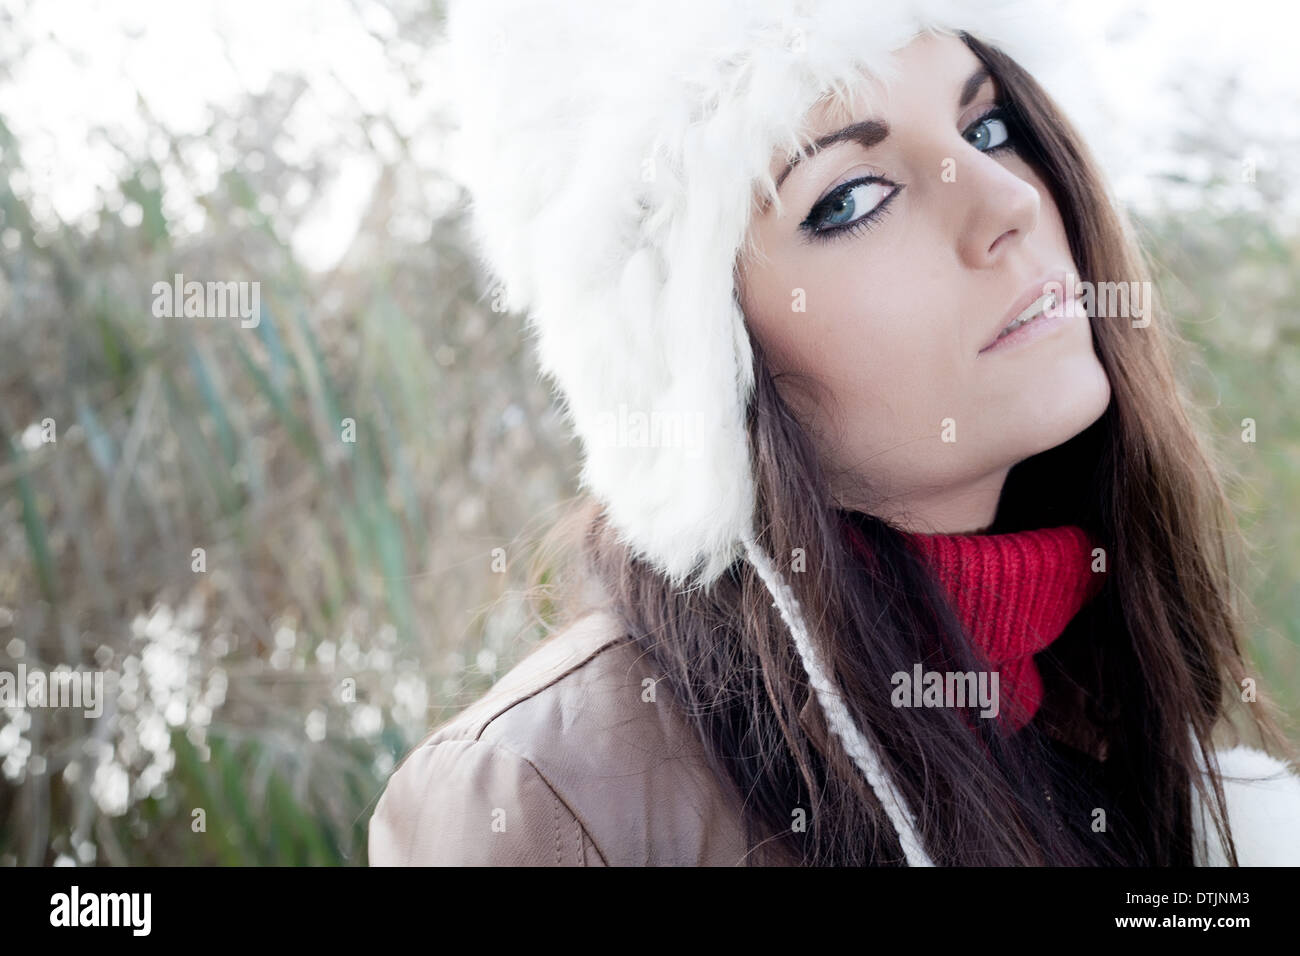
(861, 203)
(991, 132)
(853, 206)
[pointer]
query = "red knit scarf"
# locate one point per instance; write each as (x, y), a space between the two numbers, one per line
(1014, 593)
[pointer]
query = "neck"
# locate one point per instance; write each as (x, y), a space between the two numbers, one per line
(967, 509)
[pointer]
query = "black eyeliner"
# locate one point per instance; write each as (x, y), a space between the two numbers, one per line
(997, 111)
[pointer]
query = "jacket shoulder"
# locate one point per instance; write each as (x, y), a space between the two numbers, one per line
(577, 749)
(467, 803)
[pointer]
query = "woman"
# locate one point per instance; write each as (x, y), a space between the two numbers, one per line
(899, 547)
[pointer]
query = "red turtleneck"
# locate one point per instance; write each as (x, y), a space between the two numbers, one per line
(1014, 593)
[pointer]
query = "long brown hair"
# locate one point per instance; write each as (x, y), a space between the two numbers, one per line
(1144, 668)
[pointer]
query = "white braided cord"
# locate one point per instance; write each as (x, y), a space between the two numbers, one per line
(837, 715)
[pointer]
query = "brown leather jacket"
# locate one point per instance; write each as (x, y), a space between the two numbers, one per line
(572, 759)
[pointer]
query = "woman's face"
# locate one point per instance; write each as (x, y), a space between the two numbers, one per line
(945, 233)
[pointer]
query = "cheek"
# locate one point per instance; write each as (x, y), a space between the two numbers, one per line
(876, 334)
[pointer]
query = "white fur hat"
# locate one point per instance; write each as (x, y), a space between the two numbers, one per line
(610, 152)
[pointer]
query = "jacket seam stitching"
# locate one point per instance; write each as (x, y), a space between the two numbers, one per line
(559, 802)
(556, 679)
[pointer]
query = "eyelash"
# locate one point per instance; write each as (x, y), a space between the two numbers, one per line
(873, 218)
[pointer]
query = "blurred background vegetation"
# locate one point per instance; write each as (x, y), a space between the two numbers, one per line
(351, 595)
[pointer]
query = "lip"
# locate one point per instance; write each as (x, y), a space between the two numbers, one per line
(1032, 292)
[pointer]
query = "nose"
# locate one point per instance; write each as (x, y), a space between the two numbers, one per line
(999, 209)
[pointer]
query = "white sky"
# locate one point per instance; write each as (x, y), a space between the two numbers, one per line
(1147, 57)
(105, 54)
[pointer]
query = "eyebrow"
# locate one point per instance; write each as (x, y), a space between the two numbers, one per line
(870, 132)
